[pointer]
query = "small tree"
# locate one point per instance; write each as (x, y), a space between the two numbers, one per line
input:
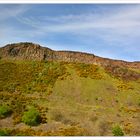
(4, 111)
(31, 117)
(117, 131)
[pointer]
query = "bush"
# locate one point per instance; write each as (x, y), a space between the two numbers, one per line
(87, 70)
(4, 111)
(4, 133)
(31, 117)
(117, 131)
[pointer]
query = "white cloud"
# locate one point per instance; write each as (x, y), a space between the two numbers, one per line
(10, 11)
(109, 26)
(129, 16)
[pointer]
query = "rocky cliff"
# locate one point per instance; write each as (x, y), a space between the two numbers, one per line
(30, 51)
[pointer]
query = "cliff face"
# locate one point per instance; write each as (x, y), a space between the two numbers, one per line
(22, 51)
(30, 51)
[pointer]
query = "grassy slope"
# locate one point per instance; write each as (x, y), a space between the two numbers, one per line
(73, 99)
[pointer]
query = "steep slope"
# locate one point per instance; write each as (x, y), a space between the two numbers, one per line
(72, 98)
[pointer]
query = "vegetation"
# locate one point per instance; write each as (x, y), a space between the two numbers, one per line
(56, 96)
(117, 131)
(4, 132)
(122, 73)
(31, 117)
(86, 70)
(4, 111)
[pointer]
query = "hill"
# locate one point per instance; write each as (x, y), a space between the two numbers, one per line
(67, 93)
(30, 51)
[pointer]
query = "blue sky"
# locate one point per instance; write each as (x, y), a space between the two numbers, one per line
(106, 30)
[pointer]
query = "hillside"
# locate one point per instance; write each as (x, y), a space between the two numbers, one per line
(63, 93)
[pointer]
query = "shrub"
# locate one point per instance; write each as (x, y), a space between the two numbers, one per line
(4, 111)
(31, 117)
(122, 73)
(86, 70)
(117, 131)
(4, 132)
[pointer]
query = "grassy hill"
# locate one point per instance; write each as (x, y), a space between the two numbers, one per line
(42, 98)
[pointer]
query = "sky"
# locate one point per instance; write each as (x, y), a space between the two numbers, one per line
(106, 30)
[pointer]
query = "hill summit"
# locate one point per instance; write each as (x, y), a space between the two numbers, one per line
(31, 51)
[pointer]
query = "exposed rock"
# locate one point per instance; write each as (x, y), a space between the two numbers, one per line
(30, 51)
(23, 51)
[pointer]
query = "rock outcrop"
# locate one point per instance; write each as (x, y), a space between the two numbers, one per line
(23, 51)
(30, 51)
